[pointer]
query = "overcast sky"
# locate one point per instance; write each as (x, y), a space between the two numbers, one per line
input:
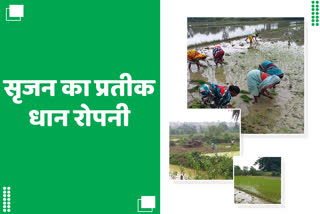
(249, 161)
(209, 115)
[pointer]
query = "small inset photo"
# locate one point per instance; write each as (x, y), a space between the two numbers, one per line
(257, 180)
(204, 150)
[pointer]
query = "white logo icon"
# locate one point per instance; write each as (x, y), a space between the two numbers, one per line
(14, 13)
(146, 204)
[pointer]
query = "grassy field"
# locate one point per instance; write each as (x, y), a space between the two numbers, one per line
(265, 187)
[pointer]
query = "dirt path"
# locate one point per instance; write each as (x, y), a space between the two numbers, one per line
(181, 149)
(203, 149)
(241, 197)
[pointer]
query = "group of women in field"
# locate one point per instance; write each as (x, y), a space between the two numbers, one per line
(267, 75)
(194, 57)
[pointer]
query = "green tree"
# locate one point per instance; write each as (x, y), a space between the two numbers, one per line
(269, 164)
(235, 115)
(227, 137)
(245, 171)
(221, 129)
(237, 171)
(236, 128)
(253, 171)
(211, 131)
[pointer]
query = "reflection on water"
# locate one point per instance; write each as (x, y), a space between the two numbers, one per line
(241, 197)
(220, 74)
(209, 32)
(282, 114)
(209, 74)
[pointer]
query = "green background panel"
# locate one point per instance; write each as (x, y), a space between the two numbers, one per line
(80, 169)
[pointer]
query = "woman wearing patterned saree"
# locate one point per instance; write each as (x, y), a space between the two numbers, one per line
(258, 82)
(194, 57)
(270, 68)
(218, 96)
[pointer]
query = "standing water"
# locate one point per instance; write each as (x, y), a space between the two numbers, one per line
(283, 44)
(241, 197)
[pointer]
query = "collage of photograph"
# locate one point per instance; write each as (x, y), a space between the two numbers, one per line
(253, 69)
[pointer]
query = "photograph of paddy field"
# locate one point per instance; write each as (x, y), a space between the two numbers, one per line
(221, 52)
(257, 180)
(204, 150)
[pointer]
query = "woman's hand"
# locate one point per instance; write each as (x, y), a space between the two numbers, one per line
(266, 93)
(267, 96)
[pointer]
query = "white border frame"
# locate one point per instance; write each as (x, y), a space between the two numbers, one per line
(282, 205)
(8, 20)
(230, 181)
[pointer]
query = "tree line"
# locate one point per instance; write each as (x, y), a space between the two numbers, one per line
(209, 130)
(267, 166)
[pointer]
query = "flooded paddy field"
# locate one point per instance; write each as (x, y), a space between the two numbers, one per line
(281, 43)
(257, 189)
(241, 197)
(204, 33)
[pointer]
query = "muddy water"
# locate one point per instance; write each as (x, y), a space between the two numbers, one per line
(241, 197)
(209, 32)
(282, 114)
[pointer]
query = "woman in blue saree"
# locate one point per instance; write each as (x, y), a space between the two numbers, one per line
(270, 68)
(258, 82)
(218, 96)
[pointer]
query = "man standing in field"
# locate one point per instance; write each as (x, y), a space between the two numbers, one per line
(212, 146)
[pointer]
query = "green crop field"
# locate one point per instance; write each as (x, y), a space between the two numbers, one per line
(265, 187)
